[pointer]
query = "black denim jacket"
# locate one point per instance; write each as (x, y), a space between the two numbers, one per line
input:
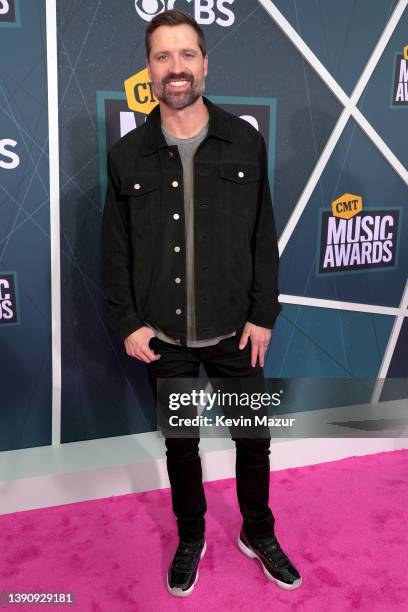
(143, 231)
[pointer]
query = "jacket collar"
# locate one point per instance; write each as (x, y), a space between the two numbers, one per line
(154, 138)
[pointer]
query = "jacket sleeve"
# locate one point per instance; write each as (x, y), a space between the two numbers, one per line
(264, 293)
(117, 260)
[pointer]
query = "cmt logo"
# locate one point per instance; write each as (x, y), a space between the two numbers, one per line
(347, 206)
(400, 89)
(351, 239)
(8, 158)
(8, 302)
(139, 93)
(206, 12)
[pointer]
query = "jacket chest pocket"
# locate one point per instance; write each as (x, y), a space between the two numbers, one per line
(239, 188)
(142, 191)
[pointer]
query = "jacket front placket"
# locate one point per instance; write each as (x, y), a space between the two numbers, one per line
(172, 257)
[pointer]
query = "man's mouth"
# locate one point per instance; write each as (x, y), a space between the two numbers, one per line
(178, 84)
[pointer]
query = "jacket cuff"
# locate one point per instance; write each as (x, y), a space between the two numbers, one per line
(127, 327)
(264, 318)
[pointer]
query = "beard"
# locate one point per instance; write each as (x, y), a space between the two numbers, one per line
(180, 99)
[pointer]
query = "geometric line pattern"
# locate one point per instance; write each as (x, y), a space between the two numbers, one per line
(350, 110)
(23, 108)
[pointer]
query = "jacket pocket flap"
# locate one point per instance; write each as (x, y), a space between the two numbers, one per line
(240, 172)
(139, 184)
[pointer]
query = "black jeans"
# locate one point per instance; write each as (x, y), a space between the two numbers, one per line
(223, 360)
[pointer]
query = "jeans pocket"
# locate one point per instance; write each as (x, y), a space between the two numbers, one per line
(152, 341)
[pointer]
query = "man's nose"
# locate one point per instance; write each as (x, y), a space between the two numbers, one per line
(177, 65)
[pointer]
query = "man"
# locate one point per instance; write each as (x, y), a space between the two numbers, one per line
(190, 264)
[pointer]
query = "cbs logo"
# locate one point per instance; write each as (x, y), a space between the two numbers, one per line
(147, 9)
(204, 12)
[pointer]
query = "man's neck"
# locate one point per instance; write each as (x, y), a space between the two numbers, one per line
(187, 122)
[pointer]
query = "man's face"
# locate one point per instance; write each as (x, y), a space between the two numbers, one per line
(176, 66)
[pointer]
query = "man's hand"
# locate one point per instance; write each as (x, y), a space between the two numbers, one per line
(260, 337)
(137, 345)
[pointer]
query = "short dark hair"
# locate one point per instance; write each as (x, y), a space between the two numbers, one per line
(174, 17)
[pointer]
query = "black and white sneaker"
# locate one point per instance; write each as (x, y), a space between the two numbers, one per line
(183, 572)
(276, 565)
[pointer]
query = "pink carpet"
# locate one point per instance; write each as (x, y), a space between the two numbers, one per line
(343, 523)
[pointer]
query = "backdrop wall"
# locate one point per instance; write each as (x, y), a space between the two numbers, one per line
(25, 306)
(291, 68)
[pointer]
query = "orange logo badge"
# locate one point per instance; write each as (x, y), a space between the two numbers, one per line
(139, 92)
(347, 206)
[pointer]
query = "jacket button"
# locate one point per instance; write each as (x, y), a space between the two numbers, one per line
(204, 236)
(176, 216)
(241, 174)
(177, 280)
(175, 183)
(203, 172)
(177, 249)
(136, 186)
(204, 298)
(204, 268)
(203, 205)
(178, 311)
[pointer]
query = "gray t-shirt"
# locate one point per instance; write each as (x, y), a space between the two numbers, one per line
(187, 148)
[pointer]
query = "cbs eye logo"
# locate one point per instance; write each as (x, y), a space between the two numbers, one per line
(147, 9)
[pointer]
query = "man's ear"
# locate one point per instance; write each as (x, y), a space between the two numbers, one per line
(205, 65)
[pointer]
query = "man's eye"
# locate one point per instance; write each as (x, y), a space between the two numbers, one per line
(161, 57)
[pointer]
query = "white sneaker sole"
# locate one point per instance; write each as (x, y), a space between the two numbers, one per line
(176, 591)
(252, 555)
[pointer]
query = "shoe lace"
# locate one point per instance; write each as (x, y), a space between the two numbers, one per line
(186, 555)
(273, 552)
